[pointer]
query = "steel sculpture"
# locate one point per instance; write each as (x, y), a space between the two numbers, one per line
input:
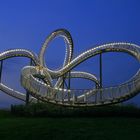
(37, 79)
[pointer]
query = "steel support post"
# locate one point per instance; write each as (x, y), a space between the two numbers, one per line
(27, 93)
(101, 76)
(63, 82)
(31, 62)
(1, 68)
(63, 86)
(97, 87)
(69, 80)
(100, 70)
(27, 97)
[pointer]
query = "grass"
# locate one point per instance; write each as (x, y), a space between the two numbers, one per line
(97, 127)
(69, 128)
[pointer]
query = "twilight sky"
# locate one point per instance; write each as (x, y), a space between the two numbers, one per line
(26, 24)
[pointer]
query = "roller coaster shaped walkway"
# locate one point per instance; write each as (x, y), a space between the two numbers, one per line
(37, 79)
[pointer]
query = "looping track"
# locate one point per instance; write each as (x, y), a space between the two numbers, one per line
(44, 89)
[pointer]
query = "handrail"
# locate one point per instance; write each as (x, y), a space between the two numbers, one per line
(47, 92)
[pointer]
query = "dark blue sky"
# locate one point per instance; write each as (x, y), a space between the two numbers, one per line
(26, 24)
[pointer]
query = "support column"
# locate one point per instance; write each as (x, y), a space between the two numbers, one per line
(1, 68)
(100, 70)
(31, 62)
(63, 82)
(27, 97)
(27, 93)
(69, 80)
(63, 86)
(101, 77)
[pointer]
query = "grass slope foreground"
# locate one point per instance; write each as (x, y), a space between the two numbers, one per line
(85, 124)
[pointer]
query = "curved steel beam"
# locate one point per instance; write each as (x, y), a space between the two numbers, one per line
(17, 53)
(38, 79)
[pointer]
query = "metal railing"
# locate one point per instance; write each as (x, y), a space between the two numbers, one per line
(46, 92)
(82, 97)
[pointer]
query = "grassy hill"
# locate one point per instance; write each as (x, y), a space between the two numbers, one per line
(62, 127)
(69, 128)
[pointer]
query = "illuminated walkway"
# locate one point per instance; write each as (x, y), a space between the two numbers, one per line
(37, 79)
